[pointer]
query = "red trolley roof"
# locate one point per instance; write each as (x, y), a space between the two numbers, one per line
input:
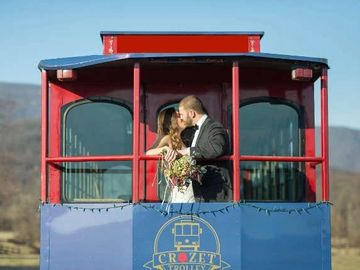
(115, 42)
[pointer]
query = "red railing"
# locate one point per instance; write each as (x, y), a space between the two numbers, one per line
(89, 158)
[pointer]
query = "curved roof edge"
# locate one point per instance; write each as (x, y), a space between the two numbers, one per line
(93, 60)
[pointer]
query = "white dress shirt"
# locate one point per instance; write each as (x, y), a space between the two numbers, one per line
(199, 123)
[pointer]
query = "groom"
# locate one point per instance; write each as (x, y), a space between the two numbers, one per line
(210, 141)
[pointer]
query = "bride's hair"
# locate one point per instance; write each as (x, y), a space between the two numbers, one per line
(167, 125)
(174, 132)
(164, 122)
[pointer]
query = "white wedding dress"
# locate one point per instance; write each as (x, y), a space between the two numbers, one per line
(177, 196)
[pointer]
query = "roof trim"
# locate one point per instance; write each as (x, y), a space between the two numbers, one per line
(251, 33)
(93, 60)
(185, 33)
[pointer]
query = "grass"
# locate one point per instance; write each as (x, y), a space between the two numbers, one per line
(19, 260)
(345, 259)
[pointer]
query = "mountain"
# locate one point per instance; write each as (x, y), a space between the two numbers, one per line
(344, 149)
(19, 102)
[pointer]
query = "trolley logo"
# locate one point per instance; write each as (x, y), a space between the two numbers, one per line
(186, 243)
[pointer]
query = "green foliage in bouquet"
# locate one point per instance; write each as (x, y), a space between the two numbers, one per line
(182, 171)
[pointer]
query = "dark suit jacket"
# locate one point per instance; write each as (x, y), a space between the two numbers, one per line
(187, 135)
(212, 142)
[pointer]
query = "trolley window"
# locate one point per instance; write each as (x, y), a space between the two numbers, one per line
(96, 128)
(271, 128)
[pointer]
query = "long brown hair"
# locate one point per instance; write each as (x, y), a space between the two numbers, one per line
(174, 133)
(164, 122)
(167, 125)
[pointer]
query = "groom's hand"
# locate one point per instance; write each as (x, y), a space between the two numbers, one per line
(170, 155)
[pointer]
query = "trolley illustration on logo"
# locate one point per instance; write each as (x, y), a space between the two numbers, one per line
(186, 235)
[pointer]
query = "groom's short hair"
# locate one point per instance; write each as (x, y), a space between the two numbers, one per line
(193, 103)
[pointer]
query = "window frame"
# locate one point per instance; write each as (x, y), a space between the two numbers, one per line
(299, 109)
(64, 111)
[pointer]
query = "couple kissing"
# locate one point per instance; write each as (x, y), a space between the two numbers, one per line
(190, 132)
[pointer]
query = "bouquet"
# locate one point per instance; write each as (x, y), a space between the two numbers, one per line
(182, 171)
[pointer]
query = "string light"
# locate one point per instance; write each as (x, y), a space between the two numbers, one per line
(224, 210)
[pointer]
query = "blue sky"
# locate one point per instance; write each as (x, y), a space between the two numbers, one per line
(32, 30)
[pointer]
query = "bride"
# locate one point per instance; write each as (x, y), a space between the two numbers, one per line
(171, 134)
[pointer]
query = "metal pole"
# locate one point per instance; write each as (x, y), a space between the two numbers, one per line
(324, 135)
(235, 131)
(44, 138)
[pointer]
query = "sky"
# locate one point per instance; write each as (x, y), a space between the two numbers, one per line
(33, 30)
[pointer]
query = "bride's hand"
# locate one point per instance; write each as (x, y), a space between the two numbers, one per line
(170, 155)
(164, 150)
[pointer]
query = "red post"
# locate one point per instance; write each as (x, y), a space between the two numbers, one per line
(235, 131)
(324, 135)
(44, 138)
(136, 132)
